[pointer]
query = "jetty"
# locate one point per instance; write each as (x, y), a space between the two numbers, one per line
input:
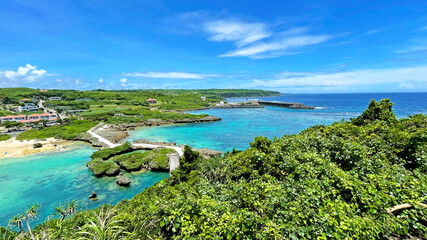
(285, 104)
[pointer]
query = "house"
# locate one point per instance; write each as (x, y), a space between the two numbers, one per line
(33, 118)
(119, 115)
(51, 117)
(28, 107)
(54, 99)
(8, 118)
(151, 101)
(19, 118)
(203, 98)
(24, 100)
(43, 90)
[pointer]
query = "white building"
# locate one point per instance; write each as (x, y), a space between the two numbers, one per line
(54, 99)
(203, 98)
(28, 107)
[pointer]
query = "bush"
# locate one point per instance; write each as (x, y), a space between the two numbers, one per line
(156, 159)
(4, 137)
(328, 182)
(105, 169)
(106, 153)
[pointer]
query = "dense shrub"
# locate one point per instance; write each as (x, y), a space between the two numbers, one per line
(68, 130)
(156, 159)
(4, 137)
(106, 153)
(328, 182)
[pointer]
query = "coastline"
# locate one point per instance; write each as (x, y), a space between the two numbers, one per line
(15, 148)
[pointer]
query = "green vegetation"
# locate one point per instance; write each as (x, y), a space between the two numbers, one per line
(328, 182)
(156, 159)
(106, 153)
(107, 168)
(4, 137)
(68, 130)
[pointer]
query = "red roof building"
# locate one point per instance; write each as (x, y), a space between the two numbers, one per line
(151, 100)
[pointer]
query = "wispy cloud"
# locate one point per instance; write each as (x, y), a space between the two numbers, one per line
(170, 75)
(374, 31)
(415, 46)
(239, 32)
(423, 28)
(258, 40)
(277, 47)
(409, 76)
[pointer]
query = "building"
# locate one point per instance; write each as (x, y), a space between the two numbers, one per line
(43, 90)
(19, 118)
(54, 99)
(8, 118)
(203, 98)
(151, 101)
(28, 107)
(24, 100)
(51, 117)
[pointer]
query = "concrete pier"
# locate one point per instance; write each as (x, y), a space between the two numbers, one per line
(285, 104)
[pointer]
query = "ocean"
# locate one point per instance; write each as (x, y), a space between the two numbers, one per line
(50, 179)
(240, 126)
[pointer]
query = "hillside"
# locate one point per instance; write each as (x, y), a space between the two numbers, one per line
(328, 182)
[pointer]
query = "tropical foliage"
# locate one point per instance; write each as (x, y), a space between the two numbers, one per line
(362, 179)
(4, 137)
(68, 130)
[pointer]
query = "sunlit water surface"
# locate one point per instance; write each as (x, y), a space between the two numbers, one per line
(56, 177)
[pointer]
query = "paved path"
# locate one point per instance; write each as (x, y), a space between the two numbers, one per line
(141, 145)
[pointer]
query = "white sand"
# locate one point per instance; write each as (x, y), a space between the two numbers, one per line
(16, 148)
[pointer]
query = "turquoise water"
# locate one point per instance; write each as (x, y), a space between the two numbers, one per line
(56, 177)
(240, 126)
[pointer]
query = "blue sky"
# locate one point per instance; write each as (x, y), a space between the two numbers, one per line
(290, 46)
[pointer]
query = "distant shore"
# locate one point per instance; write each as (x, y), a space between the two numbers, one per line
(15, 148)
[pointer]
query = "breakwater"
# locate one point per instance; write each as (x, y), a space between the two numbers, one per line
(286, 104)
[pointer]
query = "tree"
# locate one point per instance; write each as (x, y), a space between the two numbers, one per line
(29, 216)
(16, 221)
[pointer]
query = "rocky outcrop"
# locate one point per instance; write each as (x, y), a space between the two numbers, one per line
(286, 104)
(86, 137)
(142, 141)
(123, 181)
(113, 171)
(207, 153)
(37, 145)
(198, 120)
(93, 196)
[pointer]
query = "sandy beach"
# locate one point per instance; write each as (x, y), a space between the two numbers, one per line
(14, 148)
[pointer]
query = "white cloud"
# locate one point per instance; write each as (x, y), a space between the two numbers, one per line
(29, 73)
(101, 80)
(374, 31)
(408, 75)
(414, 49)
(257, 40)
(239, 32)
(123, 80)
(277, 47)
(170, 75)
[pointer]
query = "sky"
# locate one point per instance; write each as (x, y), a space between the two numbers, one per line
(288, 46)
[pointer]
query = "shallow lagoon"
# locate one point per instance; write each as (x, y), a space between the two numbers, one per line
(56, 177)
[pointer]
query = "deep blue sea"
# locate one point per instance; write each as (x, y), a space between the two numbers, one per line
(240, 126)
(56, 177)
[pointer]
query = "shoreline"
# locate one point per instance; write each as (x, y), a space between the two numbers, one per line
(15, 148)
